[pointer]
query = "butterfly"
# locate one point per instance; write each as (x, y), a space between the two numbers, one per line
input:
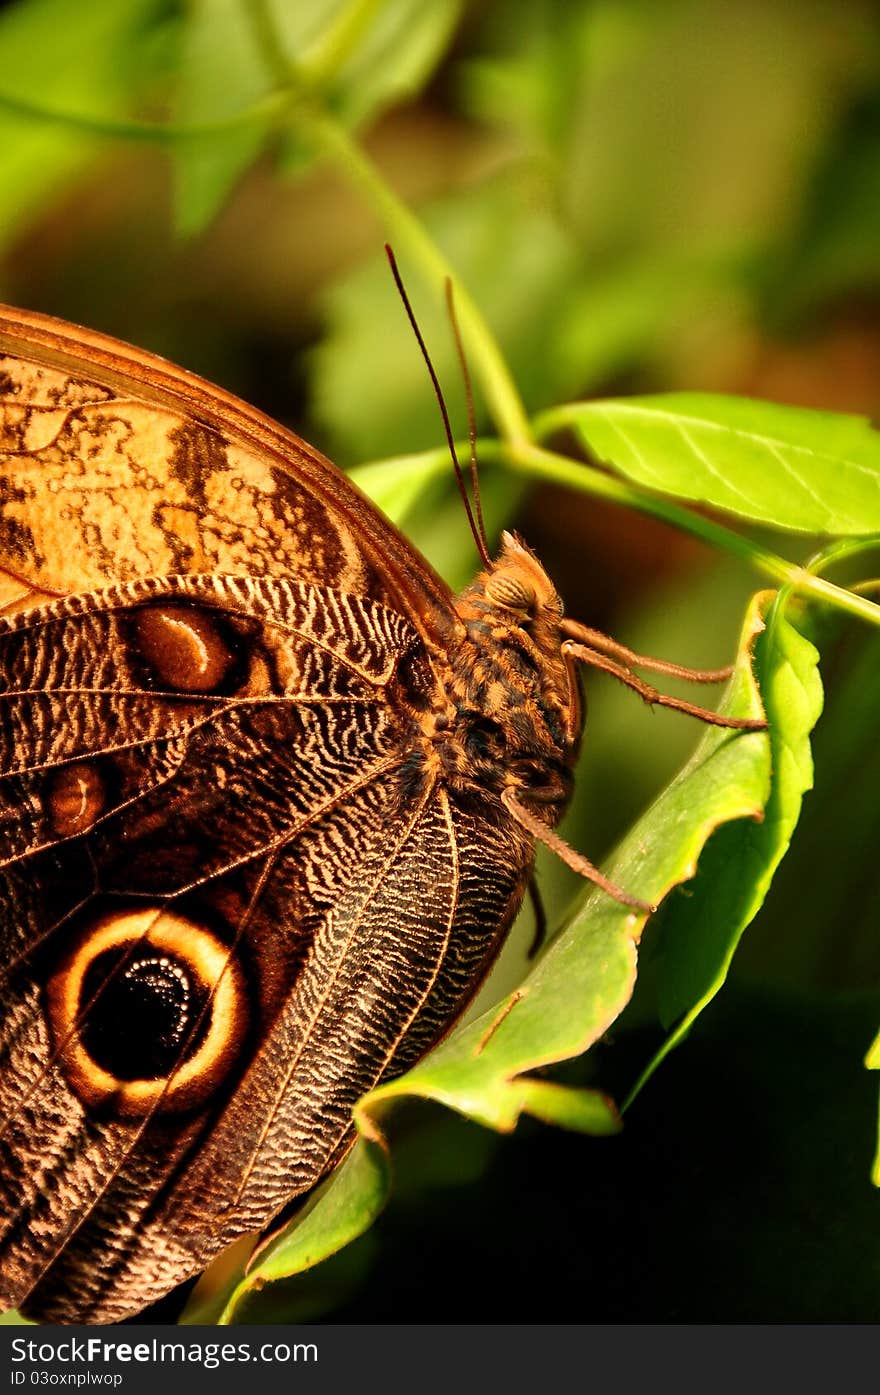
(269, 799)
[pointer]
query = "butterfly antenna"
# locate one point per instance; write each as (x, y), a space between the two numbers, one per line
(472, 419)
(476, 531)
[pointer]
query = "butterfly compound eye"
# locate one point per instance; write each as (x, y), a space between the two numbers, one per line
(509, 589)
(148, 1011)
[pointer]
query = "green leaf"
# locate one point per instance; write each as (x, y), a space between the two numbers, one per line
(872, 1062)
(396, 485)
(221, 72)
(572, 995)
(701, 930)
(788, 467)
(584, 1111)
(83, 62)
(631, 750)
(341, 1209)
(824, 918)
(363, 58)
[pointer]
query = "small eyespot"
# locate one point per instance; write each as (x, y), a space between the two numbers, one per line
(510, 589)
(183, 646)
(74, 797)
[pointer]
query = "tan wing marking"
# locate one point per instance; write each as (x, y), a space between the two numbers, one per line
(225, 488)
(114, 491)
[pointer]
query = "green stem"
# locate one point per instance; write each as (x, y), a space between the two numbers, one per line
(539, 463)
(333, 46)
(502, 398)
(546, 464)
(840, 550)
(262, 113)
(268, 38)
(329, 138)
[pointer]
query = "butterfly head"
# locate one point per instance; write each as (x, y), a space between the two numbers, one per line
(516, 697)
(517, 583)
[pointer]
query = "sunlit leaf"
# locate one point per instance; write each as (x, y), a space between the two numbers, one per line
(788, 467)
(702, 928)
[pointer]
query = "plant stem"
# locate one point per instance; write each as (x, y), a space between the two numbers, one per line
(538, 463)
(840, 550)
(265, 112)
(331, 48)
(329, 138)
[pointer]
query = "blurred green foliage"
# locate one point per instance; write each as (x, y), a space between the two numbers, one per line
(643, 197)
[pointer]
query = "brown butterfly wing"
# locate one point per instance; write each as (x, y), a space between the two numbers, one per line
(230, 753)
(115, 464)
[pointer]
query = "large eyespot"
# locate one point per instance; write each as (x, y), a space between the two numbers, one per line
(148, 1012)
(510, 588)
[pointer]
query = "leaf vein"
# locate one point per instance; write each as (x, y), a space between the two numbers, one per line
(872, 471)
(712, 469)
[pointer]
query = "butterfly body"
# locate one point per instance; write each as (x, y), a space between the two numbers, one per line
(256, 841)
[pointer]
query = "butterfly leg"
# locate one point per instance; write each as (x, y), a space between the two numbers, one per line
(596, 640)
(575, 860)
(585, 655)
(540, 932)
